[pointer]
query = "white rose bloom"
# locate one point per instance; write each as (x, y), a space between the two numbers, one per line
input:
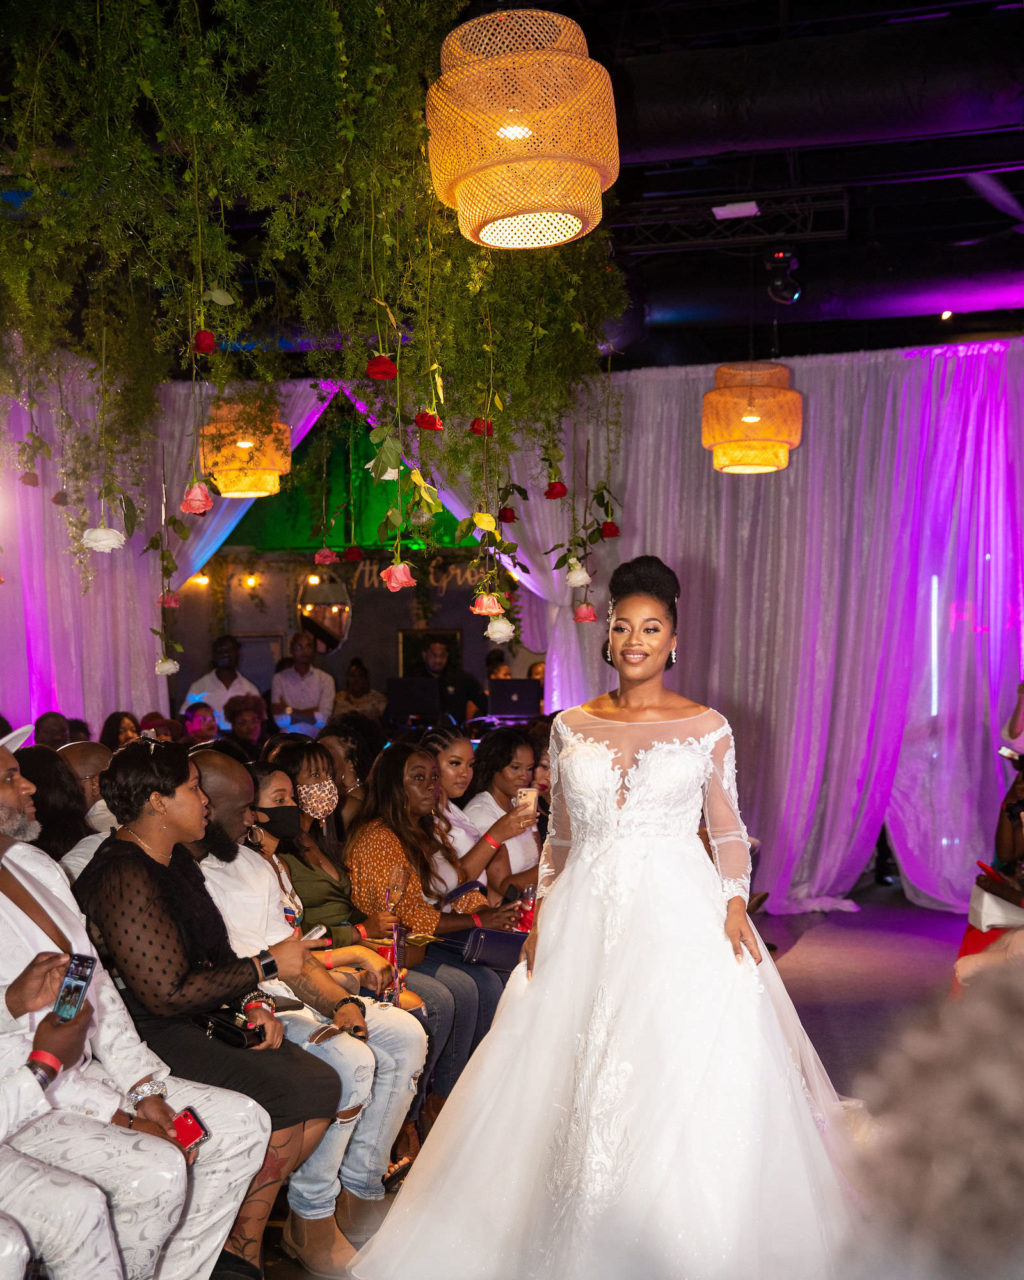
(101, 539)
(167, 667)
(390, 474)
(499, 629)
(577, 575)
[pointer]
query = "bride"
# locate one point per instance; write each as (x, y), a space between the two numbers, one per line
(646, 1103)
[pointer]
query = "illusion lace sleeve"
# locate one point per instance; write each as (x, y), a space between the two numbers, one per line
(726, 831)
(555, 852)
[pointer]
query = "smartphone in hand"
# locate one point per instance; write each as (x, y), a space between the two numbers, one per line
(317, 931)
(526, 798)
(74, 986)
(190, 1129)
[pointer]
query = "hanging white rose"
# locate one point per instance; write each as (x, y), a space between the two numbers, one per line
(167, 667)
(577, 576)
(390, 474)
(103, 539)
(499, 629)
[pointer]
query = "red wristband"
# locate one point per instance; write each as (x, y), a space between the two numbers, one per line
(258, 1004)
(495, 844)
(328, 959)
(476, 920)
(361, 930)
(47, 1059)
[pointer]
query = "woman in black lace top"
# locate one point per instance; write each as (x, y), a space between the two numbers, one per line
(154, 923)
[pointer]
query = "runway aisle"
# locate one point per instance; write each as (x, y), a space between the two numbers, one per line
(854, 976)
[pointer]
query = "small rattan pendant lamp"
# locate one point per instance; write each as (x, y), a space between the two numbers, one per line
(752, 419)
(522, 130)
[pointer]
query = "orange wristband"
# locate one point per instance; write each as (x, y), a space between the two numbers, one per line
(361, 930)
(328, 959)
(47, 1059)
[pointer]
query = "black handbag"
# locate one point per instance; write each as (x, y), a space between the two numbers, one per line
(230, 1027)
(492, 947)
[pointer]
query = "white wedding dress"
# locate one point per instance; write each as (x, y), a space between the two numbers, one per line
(645, 1106)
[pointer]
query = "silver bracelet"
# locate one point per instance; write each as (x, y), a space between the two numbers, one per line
(151, 1089)
(42, 1077)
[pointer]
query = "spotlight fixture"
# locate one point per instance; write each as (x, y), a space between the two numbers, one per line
(783, 287)
(946, 315)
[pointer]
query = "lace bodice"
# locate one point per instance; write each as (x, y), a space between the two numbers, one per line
(659, 780)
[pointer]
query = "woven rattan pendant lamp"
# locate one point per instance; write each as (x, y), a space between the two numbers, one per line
(245, 461)
(752, 419)
(522, 130)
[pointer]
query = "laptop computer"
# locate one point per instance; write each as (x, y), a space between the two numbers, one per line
(514, 699)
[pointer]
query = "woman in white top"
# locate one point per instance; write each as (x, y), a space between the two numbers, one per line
(483, 854)
(504, 763)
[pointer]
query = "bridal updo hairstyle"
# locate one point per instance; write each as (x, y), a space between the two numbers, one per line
(644, 576)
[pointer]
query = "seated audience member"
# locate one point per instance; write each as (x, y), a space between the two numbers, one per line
(119, 1085)
(941, 1182)
(461, 695)
(200, 725)
(390, 858)
(59, 803)
(52, 730)
(504, 762)
(356, 695)
(539, 734)
(482, 855)
(247, 717)
(353, 742)
(373, 1047)
(155, 923)
(156, 725)
(87, 760)
(78, 730)
(302, 696)
(221, 682)
(119, 728)
(496, 667)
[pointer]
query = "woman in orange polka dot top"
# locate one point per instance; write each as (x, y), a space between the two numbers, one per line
(389, 857)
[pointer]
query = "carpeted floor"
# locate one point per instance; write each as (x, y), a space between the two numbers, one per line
(853, 976)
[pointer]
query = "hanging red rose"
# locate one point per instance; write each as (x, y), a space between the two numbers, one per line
(555, 490)
(352, 555)
(60, 498)
(482, 427)
(326, 556)
(30, 478)
(397, 576)
(429, 422)
(169, 600)
(507, 515)
(381, 369)
(486, 606)
(197, 500)
(204, 343)
(609, 529)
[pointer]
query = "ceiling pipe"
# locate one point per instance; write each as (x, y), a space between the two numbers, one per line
(909, 80)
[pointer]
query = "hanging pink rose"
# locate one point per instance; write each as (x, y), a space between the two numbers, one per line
(584, 613)
(429, 422)
(169, 600)
(197, 500)
(326, 556)
(482, 427)
(352, 555)
(204, 343)
(381, 369)
(486, 606)
(507, 515)
(30, 478)
(555, 490)
(609, 529)
(397, 576)
(60, 498)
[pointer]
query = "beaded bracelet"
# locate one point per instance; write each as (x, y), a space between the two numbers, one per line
(41, 1076)
(262, 998)
(350, 1000)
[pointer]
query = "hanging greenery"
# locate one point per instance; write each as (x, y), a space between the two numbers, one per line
(237, 190)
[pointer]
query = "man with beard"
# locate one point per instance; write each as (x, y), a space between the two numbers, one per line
(377, 1050)
(102, 1143)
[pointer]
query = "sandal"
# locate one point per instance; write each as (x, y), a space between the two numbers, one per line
(393, 1180)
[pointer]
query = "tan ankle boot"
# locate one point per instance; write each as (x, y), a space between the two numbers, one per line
(358, 1218)
(318, 1245)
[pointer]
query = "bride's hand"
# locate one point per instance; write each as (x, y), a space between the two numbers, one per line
(740, 931)
(529, 951)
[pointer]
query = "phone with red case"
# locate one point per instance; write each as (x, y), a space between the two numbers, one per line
(190, 1129)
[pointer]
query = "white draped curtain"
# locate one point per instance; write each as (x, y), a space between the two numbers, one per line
(88, 655)
(857, 617)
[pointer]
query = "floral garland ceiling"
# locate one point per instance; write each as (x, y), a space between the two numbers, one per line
(245, 197)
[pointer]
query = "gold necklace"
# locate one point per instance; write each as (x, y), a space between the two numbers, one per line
(148, 848)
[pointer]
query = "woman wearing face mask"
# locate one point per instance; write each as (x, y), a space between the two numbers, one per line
(390, 856)
(482, 855)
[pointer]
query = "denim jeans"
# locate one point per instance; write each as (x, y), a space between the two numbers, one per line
(474, 992)
(380, 1076)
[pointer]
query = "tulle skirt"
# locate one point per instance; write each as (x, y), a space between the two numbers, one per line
(644, 1106)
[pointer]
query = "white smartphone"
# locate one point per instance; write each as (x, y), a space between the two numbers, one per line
(317, 931)
(527, 796)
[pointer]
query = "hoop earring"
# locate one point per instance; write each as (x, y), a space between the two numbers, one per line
(606, 653)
